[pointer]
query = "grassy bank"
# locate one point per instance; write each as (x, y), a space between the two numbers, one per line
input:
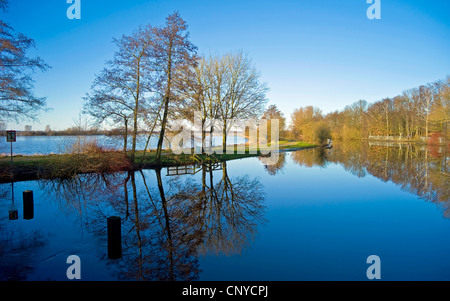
(68, 165)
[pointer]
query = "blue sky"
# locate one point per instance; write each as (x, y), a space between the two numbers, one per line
(325, 53)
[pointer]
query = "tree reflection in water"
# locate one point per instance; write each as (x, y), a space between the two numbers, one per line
(166, 222)
(18, 245)
(419, 169)
(228, 212)
(273, 169)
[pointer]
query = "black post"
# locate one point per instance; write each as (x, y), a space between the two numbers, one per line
(28, 204)
(13, 213)
(114, 237)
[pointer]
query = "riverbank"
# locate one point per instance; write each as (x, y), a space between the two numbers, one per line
(36, 167)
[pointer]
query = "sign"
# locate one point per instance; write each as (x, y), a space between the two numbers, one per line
(10, 136)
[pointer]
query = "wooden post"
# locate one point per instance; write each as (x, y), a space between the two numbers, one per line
(28, 204)
(114, 237)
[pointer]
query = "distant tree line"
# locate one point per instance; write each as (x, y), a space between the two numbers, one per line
(417, 114)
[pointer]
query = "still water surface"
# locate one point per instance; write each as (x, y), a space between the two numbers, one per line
(317, 215)
(44, 145)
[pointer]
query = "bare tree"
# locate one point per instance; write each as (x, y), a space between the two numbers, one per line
(17, 100)
(172, 50)
(245, 95)
(2, 127)
(122, 89)
(192, 87)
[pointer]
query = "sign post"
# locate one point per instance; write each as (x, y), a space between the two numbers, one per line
(11, 137)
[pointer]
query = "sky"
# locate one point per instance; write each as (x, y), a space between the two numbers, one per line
(325, 53)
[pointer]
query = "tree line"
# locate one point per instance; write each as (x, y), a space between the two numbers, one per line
(156, 76)
(416, 168)
(420, 113)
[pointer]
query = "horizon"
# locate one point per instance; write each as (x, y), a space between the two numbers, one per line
(324, 54)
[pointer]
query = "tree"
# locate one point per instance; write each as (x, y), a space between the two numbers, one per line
(171, 52)
(244, 95)
(440, 111)
(426, 99)
(303, 120)
(194, 87)
(17, 100)
(2, 127)
(273, 112)
(322, 132)
(123, 88)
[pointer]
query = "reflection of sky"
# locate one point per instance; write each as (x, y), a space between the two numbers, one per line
(322, 224)
(325, 222)
(49, 238)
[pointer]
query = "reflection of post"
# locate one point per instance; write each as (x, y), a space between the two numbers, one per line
(28, 204)
(13, 213)
(114, 237)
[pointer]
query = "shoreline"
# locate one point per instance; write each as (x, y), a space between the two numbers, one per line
(35, 167)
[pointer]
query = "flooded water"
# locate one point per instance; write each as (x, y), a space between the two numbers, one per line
(316, 215)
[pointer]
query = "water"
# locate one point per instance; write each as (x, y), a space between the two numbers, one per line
(44, 145)
(316, 215)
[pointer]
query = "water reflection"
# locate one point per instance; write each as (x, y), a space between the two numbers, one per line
(16, 244)
(167, 222)
(273, 169)
(228, 211)
(312, 157)
(419, 169)
(172, 221)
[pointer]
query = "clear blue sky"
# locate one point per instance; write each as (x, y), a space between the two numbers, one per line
(325, 53)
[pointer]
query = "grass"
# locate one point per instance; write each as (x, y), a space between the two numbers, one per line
(67, 165)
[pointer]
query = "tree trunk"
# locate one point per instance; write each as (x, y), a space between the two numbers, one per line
(224, 137)
(163, 129)
(203, 135)
(133, 147)
(125, 137)
(135, 114)
(166, 107)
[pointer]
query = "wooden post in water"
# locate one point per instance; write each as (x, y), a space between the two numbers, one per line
(28, 204)
(114, 237)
